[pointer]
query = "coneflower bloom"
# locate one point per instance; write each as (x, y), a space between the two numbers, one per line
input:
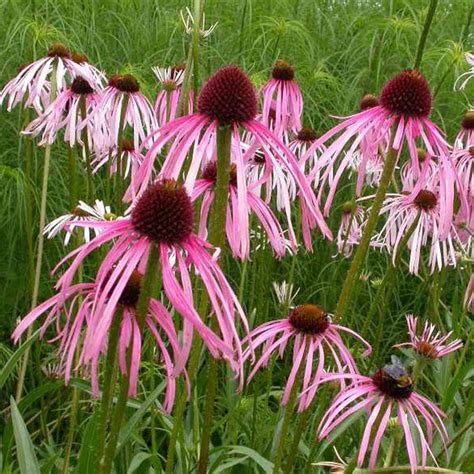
(189, 22)
(163, 217)
(389, 390)
(74, 316)
(465, 137)
(282, 94)
(468, 75)
(124, 91)
(66, 112)
(126, 161)
(227, 99)
(83, 212)
(430, 344)
(237, 230)
(401, 212)
(464, 163)
(350, 229)
(401, 117)
(299, 146)
(311, 332)
(92, 71)
(167, 100)
(34, 80)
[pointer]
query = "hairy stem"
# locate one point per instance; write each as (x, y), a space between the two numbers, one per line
(217, 238)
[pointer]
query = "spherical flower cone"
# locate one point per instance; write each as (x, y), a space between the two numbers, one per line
(312, 335)
(162, 217)
(430, 344)
(74, 317)
(389, 390)
(227, 99)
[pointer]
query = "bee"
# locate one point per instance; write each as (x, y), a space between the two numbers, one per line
(398, 372)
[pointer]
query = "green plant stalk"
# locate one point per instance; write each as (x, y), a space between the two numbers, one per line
(109, 381)
(72, 177)
(118, 183)
(357, 264)
(197, 23)
(148, 284)
(39, 254)
(303, 420)
(424, 33)
(392, 452)
(85, 139)
(289, 409)
(216, 238)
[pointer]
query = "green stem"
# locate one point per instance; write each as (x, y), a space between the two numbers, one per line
(424, 33)
(283, 438)
(392, 452)
(217, 238)
(148, 284)
(197, 22)
(109, 381)
(118, 188)
(296, 441)
(357, 264)
(39, 254)
(72, 178)
(85, 140)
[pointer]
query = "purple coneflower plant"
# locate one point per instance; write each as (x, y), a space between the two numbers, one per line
(465, 137)
(161, 222)
(390, 389)
(350, 228)
(228, 99)
(71, 110)
(313, 335)
(34, 80)
(75, 318)
(282, 101)
(401, 117)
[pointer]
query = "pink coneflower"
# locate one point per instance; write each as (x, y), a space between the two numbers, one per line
(350, 229)
(313, 335)
(282, 94)
(126, 161)
(401, 118)
(402, 211)
(75, 318)
(139, 115)
(465, 137)
(237, 219)
(167, 100)
(389, 389)
(410, 175)
(227, 99)
(431, 343)
(82, 212)
(299, 146)
(66, 111)
(92, 71)
(163, 217)
(34, 80)
(464, 163)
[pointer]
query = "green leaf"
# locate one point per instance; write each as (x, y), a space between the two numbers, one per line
(264, 463)
(127, 430)
(137, 461)
(87, 461)
(24, 446)
(10, 365)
